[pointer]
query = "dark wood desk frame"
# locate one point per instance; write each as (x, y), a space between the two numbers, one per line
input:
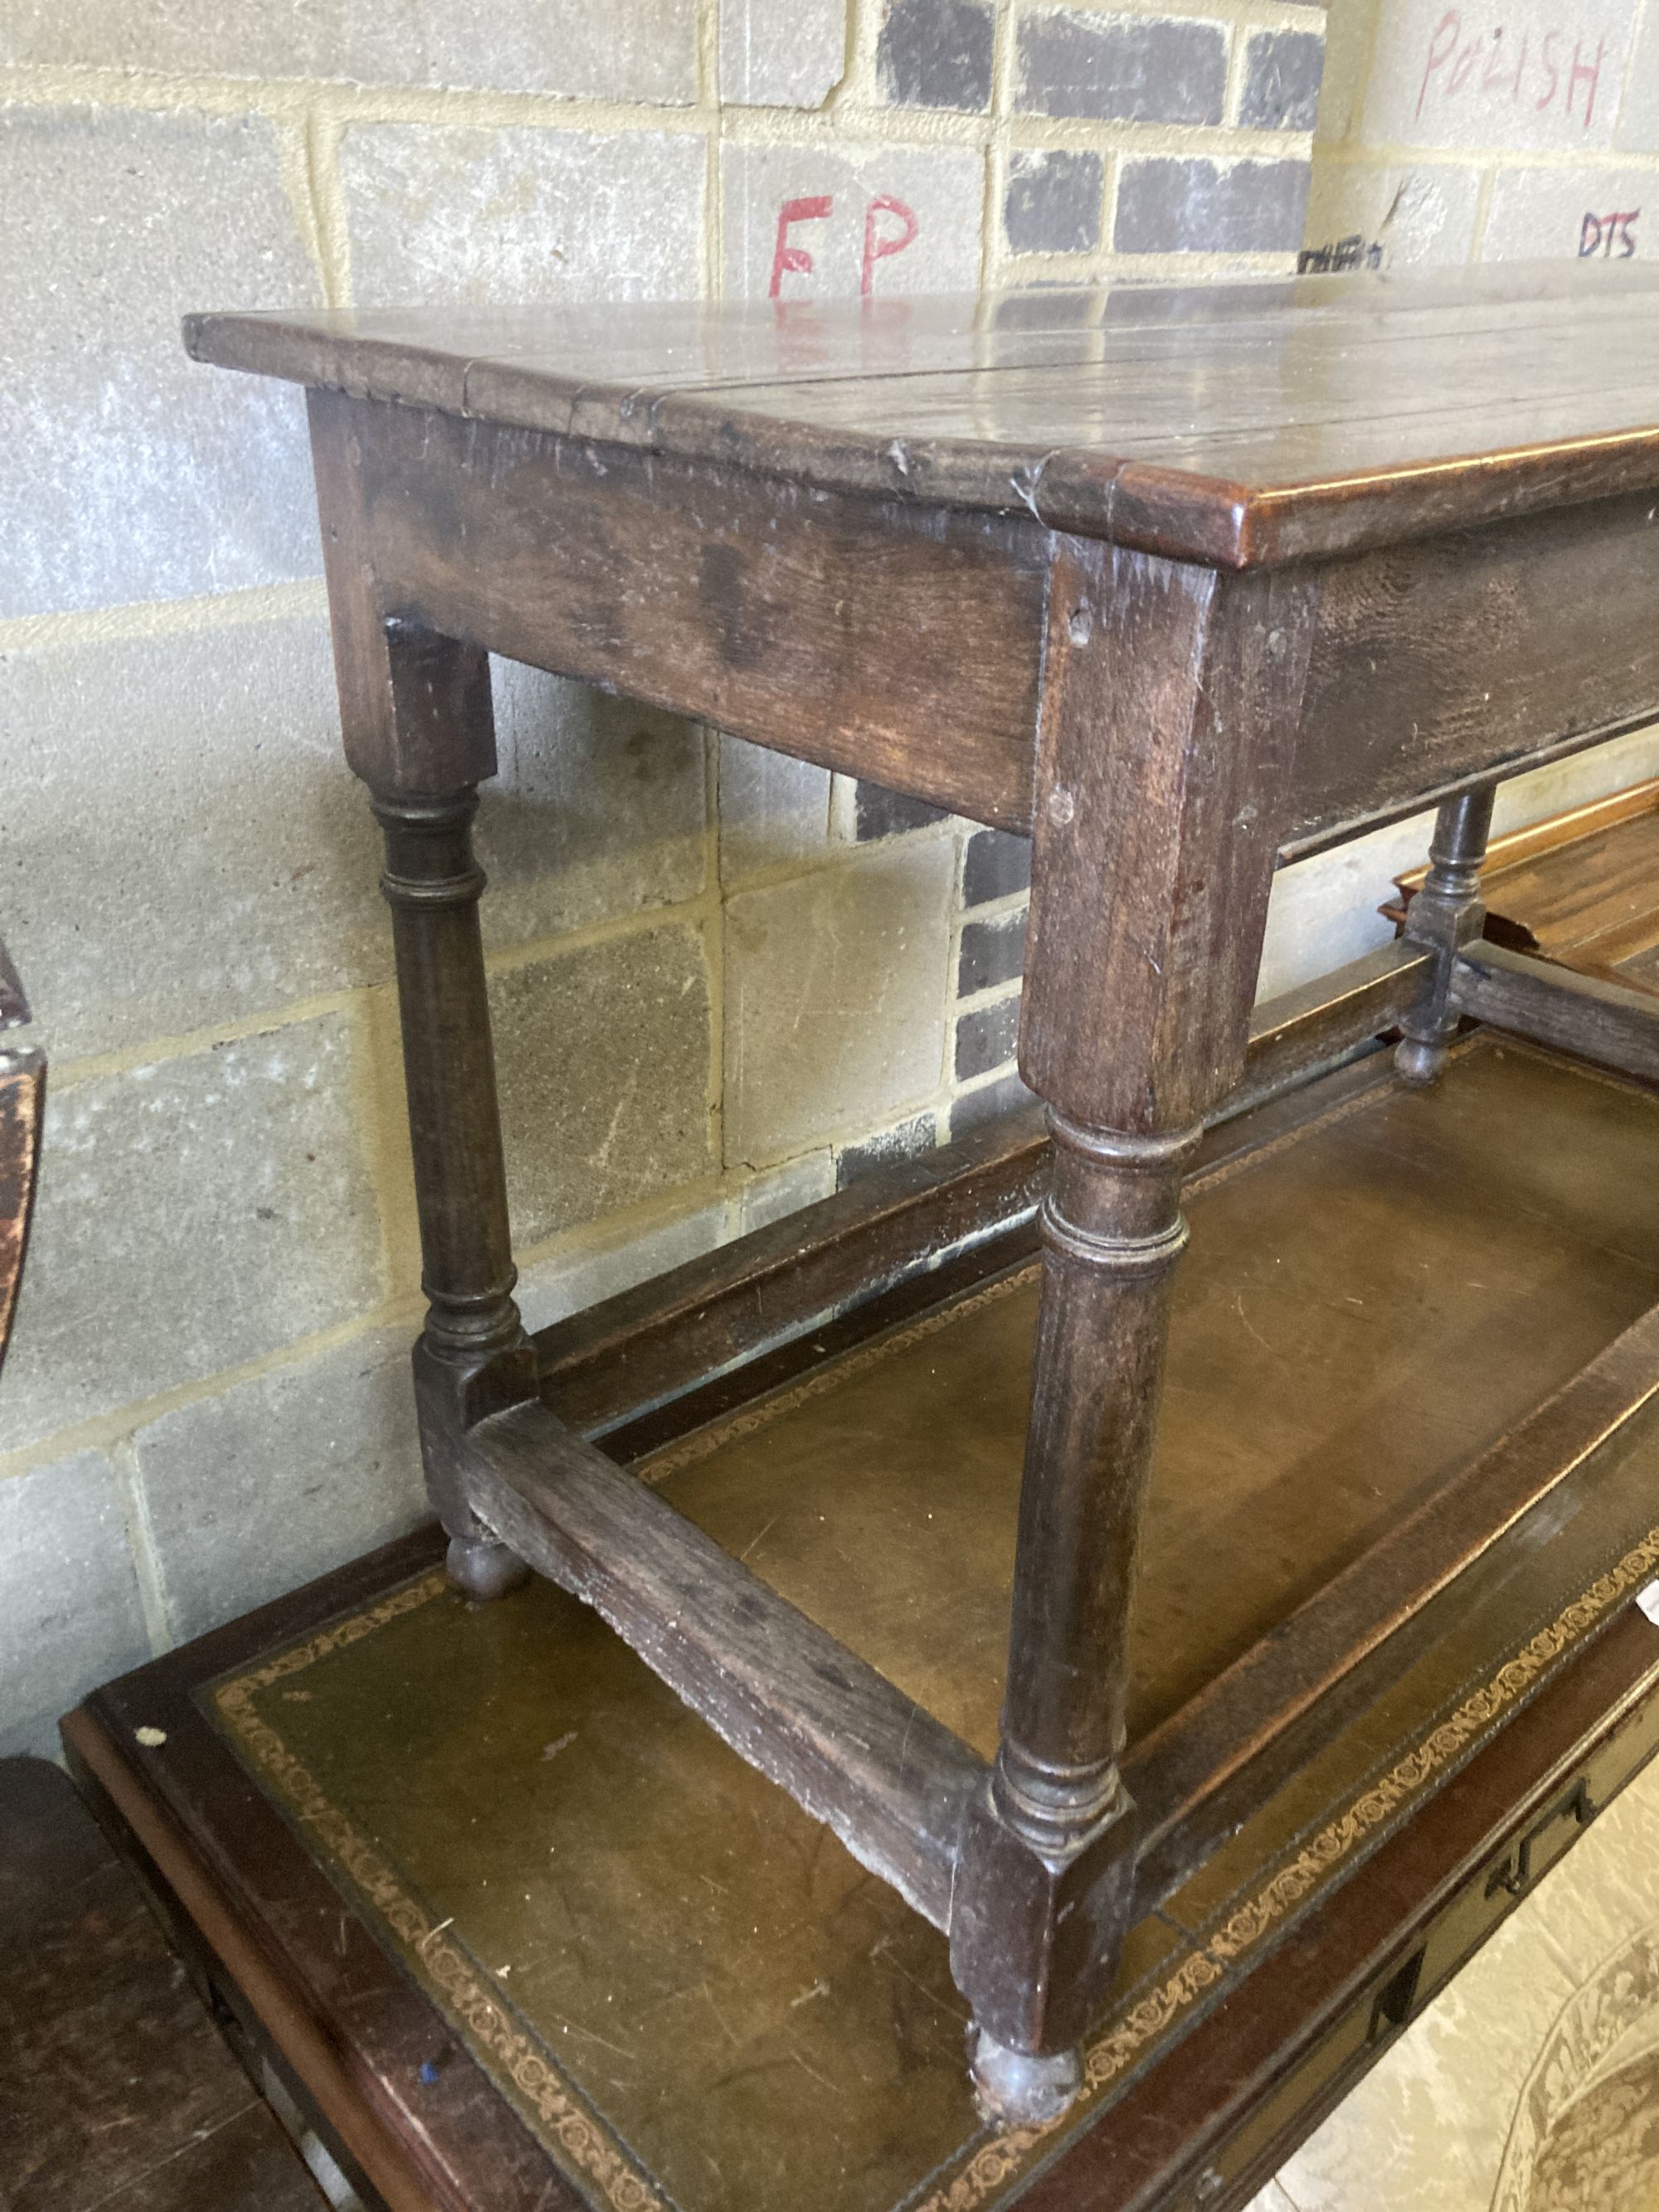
(1168, 683)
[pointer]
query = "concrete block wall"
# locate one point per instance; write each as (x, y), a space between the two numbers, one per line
(1450, 134)
(723, 983)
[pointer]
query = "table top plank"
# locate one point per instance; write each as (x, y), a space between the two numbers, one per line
(1312, 415)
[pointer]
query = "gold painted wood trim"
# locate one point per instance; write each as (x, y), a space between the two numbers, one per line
(561, 2117)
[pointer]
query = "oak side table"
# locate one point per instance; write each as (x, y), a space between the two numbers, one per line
(1179, 583)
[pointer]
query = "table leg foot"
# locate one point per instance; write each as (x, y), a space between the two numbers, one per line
(1419, 1060)
(481, 1569)
(1020, 2088)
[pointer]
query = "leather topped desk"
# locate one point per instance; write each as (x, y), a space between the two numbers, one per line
(1178, 582)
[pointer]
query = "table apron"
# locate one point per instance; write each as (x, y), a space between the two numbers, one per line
(883, 639)
(904, 642)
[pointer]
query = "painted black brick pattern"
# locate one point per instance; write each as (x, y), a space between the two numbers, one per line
(1005, 1096)
(1169, 204)
(992, 952)
(936, 53)
(998, 864)
(1123, 68)
(878, 812)
(1282, 69)
(1053, 203)
(986, 1038)
(854, 1162)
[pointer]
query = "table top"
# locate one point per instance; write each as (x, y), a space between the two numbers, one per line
(1235, 422)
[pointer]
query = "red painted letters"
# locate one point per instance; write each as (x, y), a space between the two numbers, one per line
(879, 244)
(888, 228)
(1489, 63)
(794, 260)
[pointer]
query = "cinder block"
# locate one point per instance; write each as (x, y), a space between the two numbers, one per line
(598, 809)
(991, 952)
(1637, 126)
(986, 1037)
(782, 53)
(1123, 68)
(784, 1190)
(1171, 204)
(603, 1058)
(1052, 203)
(133, 473)
(772, 809)
(1007, 1094)
(834, 999)
(221, 860)
(903, 1141)
(1574, 781)
(1410, 216)
(184, 842)
(1462, 76)
(625, 50)
(192, 1214)
(1282, 71)
(70, 1616)
(564, 1285)
(1342, 85)
(816, 222)
(446, 213)
(998, 864)
(936, 53)
(1323, 911)
(281, 1478)
(878, 812)
(1554, 214)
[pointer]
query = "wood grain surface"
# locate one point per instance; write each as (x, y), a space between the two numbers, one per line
(1241, 424)
(118, 2092)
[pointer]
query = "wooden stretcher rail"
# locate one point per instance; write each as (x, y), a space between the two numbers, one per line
(613, 1360)
(609, 1363)
(1218, 1759)
(1297, 1033)
(888, 1779)
(891, 1781)
(1605, 1022)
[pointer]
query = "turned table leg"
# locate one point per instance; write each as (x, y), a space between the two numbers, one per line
(473, 1338)
(1170, 701)
(1049, 1858)
(1445, 915)
(415, 714)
